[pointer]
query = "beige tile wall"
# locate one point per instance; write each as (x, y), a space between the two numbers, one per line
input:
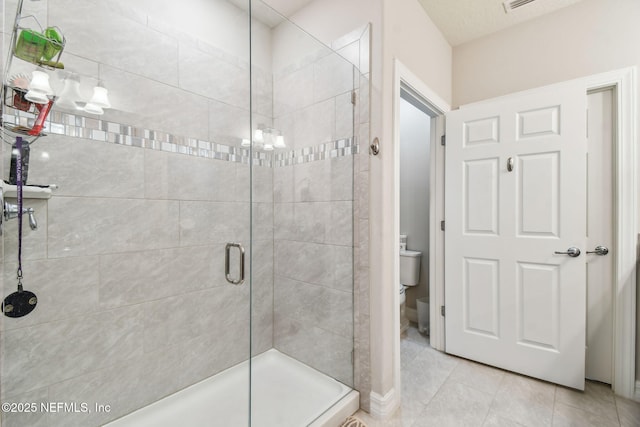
(313, 218)
(128, 259)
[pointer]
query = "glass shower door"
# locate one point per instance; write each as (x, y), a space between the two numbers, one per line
(227, 128)
(128, 259)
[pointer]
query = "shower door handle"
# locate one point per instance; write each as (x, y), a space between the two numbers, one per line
(227, 263)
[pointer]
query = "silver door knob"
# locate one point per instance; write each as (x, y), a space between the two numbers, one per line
(599, 250)
(572, 252)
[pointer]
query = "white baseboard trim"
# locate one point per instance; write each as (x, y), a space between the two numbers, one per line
(382, 407)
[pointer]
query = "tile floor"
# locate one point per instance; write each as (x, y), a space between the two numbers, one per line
(442, 390)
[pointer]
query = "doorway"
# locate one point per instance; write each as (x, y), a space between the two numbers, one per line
(600, 260)
(435, 108)
(417, 135)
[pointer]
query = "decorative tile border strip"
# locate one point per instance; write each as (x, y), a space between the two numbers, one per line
(327, 150)
(77, 126)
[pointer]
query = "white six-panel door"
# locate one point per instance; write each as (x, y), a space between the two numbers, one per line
(515, 194)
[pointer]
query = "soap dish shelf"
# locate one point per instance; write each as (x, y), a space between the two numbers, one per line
(28, 191)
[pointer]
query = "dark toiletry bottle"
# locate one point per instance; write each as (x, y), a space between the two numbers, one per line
(13, 177)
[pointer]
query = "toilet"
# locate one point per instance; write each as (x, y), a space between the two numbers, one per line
(409, 276)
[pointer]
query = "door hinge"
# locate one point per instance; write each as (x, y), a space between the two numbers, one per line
(353, 97)
(442, 225)
(443, 140)
(442, 310)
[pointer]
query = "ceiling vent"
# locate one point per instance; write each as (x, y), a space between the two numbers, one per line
(511, 5)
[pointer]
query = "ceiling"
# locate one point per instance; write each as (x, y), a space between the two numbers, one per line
(459, 21)
(464, 20)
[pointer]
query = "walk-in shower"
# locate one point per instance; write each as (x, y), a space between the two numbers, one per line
(227, 130)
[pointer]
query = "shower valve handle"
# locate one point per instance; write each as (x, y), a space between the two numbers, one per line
(11, 211)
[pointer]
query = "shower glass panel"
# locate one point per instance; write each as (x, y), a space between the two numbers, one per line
(302, 223)
(225, 124)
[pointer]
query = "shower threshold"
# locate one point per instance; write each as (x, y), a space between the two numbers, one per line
(284, 393)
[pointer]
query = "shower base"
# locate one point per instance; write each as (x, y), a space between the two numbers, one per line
(284, 393)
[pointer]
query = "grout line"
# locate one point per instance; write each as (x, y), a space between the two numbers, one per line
(495, 396)
(553, 406)
(615, 402)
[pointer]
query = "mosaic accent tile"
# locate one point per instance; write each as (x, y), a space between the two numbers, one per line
(333, 149)
(77, 126)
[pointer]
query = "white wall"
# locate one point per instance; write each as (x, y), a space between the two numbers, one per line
(411, 37)
(590, 37)
(415, 136)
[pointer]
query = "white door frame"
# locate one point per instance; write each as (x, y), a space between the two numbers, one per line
(625, 216)
(402, 75)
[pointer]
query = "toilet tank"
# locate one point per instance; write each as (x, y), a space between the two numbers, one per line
(410, 267)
